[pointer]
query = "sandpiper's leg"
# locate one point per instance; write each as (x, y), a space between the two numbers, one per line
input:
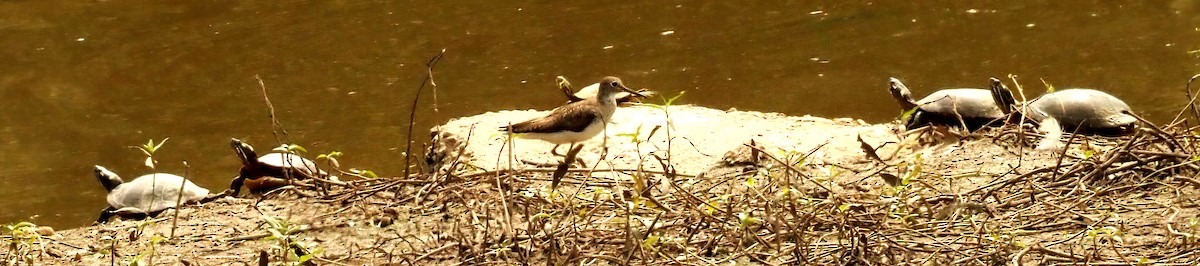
(554, 150)
(577, 158)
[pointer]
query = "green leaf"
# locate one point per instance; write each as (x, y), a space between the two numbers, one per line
(745, 220)
(364, 172)
(305, 258)
(672, 99)
(633, 136)
(291, 148)
(1049, 88)
(164, 141)
(908, 113)
(650, 241)
(1143, 261)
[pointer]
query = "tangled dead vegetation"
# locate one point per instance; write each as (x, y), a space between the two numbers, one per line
(986, 200)
(983, 200)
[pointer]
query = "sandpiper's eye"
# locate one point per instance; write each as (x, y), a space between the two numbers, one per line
(614, 84)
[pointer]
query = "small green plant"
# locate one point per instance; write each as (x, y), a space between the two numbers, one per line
(287, 243)
(745, 220)
(24, 244)
(633, 136)
(149, 149)
(331, 159)
(666, 107)
(1191, 231)
(140, 228)
(146, 257)
(1049, 88)
(905, 202)
(291, 148)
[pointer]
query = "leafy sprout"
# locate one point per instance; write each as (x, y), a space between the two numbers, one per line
(149, 149)
(291, 148)
(287, 242)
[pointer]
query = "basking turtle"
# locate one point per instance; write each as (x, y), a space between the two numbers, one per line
(146, 195)
(623, 98)
(271, 170)
(973, 108)
(1084, 111)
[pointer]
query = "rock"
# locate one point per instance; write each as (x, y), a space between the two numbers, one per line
(45, 231)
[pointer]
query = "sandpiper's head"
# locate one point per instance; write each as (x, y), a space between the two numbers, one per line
(107, 178)
(901, 94)
(1002, 95)
(609, 86)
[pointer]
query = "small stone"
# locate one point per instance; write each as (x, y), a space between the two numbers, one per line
(45, 231)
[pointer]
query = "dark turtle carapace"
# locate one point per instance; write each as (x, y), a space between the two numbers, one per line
(273, 166)
(972, 108)
(1084, 111)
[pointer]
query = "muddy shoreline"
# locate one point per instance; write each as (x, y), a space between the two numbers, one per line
(805, 192)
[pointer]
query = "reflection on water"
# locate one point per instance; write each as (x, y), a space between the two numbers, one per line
(83, 81)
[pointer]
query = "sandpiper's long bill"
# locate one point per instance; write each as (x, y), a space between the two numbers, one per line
(577, 121)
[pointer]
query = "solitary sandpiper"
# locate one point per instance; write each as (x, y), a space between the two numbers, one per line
(577, 121)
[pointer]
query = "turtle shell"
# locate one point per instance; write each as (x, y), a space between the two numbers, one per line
(943, 107)
(154, 192)
(290, 162)
(1084, 111)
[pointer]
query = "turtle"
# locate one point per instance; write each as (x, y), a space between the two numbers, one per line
(145, 196)
(969, 107)
(270, 171)
(623, 98)
(1078, 110)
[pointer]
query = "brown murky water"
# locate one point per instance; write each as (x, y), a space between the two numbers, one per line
(81, 81)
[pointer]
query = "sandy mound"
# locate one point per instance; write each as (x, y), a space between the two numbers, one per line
(699, 137)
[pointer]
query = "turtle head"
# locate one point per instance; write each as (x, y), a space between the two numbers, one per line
(566, 88)
(107, 178)
(1123, 123)
(1002, 95)
(563, 84)
(244, 152)
(610, 86)
(901, 94)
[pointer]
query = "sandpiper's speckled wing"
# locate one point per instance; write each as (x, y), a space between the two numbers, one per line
(566, 118)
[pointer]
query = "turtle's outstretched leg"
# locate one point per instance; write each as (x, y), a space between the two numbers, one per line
(106, 214)
(235, 186)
